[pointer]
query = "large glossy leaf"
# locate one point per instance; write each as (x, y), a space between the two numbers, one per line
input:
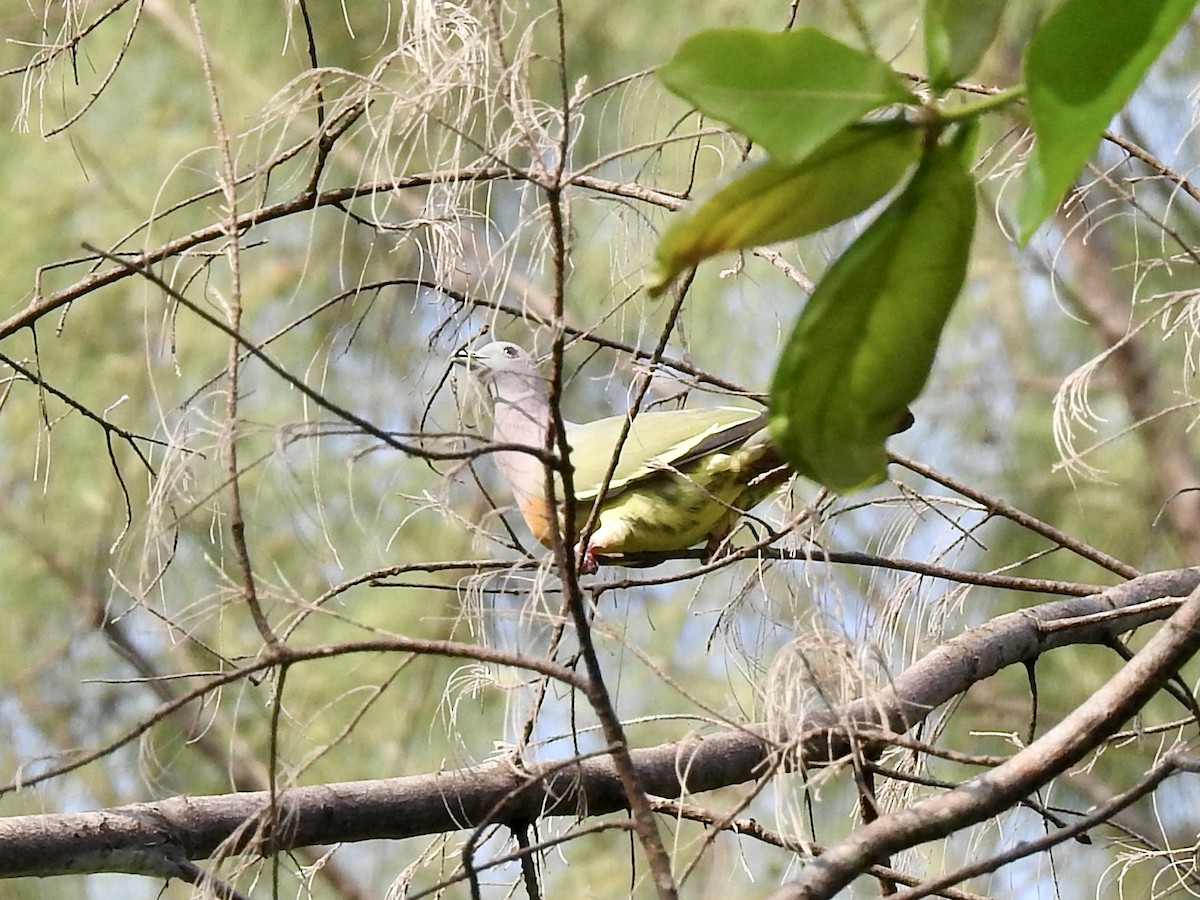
(789, 91)
(1082, 65)
(957, 34)
(863, 346)
(771, 201)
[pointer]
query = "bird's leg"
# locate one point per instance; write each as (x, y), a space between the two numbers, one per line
(607, 540)
(717, 546)
(588, 563)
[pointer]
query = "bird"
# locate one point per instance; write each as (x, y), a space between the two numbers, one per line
(684, 477)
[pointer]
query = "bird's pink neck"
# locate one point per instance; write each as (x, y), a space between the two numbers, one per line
(524, 420)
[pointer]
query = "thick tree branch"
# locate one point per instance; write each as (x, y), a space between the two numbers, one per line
(989, 794)
(152, 838)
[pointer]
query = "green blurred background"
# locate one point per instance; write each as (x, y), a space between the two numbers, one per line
(118, 582)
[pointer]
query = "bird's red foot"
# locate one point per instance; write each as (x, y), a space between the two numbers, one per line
(587, 562)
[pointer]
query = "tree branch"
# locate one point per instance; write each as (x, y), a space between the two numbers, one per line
(994, 791)
(150, 838)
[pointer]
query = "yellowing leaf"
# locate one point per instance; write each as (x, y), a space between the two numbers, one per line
(770, 201)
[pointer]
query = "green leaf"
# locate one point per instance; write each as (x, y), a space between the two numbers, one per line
(957, 34)
(770, 201)
(789, 91)
(1081, 67)
(863, 346)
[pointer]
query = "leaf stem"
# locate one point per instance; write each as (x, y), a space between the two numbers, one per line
(975, 108)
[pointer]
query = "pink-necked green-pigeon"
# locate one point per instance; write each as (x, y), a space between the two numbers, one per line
(683, 478)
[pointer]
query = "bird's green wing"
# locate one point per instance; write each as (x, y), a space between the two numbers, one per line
(656, 440)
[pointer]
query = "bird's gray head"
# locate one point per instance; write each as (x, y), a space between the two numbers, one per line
(492, 359)
(508, 367)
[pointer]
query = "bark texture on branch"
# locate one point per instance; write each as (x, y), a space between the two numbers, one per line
(156, 838)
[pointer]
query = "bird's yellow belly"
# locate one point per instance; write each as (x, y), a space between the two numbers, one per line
(669, 511)
(672, 510)
(666, 513)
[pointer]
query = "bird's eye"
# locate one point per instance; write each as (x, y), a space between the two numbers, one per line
(510, 352)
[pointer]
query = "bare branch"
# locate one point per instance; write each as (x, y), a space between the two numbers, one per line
(1080, 732)
(151, 838)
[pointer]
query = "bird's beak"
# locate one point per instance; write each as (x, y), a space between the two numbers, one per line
(463, 357)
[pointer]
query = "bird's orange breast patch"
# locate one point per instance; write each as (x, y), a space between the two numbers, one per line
(537, 517)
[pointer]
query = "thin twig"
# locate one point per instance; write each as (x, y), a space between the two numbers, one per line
(996, 506)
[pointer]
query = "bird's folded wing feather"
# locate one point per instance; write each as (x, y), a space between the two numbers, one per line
(656, 440)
